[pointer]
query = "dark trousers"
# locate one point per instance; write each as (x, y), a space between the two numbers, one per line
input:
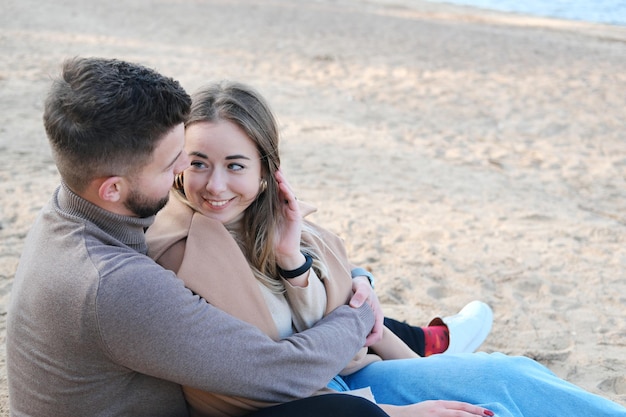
(413, 336)
(328, 405)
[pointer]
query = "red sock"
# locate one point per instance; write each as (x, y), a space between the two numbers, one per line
(436, 339)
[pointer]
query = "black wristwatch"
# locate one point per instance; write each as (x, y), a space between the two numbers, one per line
(308, 262)
(362, 272)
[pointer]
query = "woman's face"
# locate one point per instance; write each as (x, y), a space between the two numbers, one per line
(225, 172)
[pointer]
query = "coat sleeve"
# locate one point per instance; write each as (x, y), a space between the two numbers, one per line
(338, 285)
(307, 303)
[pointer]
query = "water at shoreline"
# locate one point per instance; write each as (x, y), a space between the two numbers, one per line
(611, 12)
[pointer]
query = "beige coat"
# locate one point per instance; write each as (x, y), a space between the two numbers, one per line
(206, 257)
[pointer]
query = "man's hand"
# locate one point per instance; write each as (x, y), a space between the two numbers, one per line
(363, 292)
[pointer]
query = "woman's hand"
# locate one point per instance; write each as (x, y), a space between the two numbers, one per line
(438, 408)
(287, 243)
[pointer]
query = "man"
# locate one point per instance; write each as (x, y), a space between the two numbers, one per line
(96, 328)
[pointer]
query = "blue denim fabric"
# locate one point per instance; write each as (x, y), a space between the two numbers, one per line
(338, 384)
(510, 386)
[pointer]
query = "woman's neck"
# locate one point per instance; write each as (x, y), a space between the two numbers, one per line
(235, 227)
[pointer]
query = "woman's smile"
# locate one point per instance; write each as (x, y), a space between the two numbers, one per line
(218, 204)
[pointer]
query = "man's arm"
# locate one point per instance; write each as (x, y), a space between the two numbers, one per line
(152, 324)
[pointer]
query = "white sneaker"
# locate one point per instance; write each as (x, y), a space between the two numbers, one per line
(467, 329)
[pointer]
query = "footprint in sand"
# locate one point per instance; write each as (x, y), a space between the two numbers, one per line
(615, 385)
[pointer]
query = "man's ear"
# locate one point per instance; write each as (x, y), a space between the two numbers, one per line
(111, 189)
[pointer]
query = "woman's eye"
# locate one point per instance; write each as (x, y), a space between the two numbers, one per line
(198, 164)
(235, 167)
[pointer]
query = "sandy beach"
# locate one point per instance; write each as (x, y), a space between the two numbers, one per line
(461, 154)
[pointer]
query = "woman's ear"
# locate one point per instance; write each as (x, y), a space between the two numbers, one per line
(111, 189)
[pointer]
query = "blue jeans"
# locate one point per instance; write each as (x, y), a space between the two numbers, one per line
(510, 386)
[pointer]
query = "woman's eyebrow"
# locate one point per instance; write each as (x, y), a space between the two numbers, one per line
(199, 154)
(237, 157)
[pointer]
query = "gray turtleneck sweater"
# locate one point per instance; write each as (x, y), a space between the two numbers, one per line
(96, 328)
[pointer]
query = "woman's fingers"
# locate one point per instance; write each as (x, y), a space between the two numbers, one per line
(437, 408)
(286, 192)
(458, 408)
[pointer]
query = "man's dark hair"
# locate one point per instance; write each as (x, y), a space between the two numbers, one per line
(104, 117)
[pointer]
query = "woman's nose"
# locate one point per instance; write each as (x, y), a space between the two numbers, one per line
(216, 182)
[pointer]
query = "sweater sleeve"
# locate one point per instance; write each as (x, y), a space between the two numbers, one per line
(150, 323)
(307, 303)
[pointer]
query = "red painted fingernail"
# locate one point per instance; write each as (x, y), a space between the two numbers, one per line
(489, 413)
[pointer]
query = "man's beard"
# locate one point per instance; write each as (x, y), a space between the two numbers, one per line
(142, 206)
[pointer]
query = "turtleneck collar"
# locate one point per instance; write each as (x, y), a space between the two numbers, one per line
(126, 229)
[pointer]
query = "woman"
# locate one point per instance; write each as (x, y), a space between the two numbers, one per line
(233, 208)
